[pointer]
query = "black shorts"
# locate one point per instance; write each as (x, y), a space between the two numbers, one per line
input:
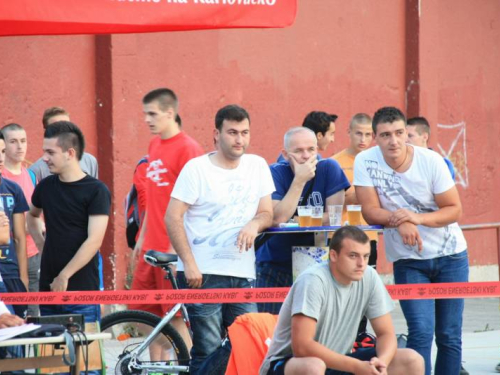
(278, 366)
(17, 286)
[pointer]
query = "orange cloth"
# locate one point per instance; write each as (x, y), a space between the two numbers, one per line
(346, 161)
(250, 337)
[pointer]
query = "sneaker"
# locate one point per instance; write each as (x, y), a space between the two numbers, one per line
(463, 371)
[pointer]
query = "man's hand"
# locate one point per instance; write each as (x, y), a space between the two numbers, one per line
(379, 365)
(402, 216)
(4, 219)
(4, 229)
(9, 320)
(60, 284)
(410, 235)
(193, 275)
(366, 368)
(134, 259)
(304, 172)
(247, 235)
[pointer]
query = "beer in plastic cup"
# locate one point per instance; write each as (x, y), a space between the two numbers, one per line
(354, 214)
(317, 216)
(305, 213)
(335, 214)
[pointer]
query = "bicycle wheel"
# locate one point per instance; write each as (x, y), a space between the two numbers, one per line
(128, 330)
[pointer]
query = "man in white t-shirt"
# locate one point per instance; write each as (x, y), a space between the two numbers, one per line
(409, 191)
(219, 204)
(319, 319)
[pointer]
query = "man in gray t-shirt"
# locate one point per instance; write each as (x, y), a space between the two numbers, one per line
(319, 319)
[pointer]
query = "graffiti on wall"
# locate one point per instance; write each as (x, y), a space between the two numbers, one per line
(456, 150)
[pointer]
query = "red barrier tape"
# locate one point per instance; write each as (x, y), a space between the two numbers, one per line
(397, 292)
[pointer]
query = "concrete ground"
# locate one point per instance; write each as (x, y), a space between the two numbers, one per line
(481, 334)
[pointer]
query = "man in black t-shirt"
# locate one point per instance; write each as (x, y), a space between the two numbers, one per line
(76, 210)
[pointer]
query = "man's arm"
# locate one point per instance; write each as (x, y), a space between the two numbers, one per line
(350, 196)
(140, 242)
(304, 345)
(450, 210)
(96, 230)
(262, 220)
(374, 214)
(19, 231)
(174, 220)
(285, 208)
(386, 338)
(370, 206)
(4, 229)
(36, 226)
(334, 199)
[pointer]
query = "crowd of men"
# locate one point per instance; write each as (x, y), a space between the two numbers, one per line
(209, 208)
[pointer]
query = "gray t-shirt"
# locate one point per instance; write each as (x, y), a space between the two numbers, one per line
(88, 163)
(337, 309)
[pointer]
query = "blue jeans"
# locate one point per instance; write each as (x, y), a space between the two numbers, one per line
(209, 321)
(270, 275)
(442, 316)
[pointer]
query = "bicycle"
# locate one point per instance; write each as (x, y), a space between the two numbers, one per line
(129, 350)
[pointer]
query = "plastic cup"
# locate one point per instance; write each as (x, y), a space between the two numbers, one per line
(305, 213)
(354, 214)
(335, 214)
(317, 216)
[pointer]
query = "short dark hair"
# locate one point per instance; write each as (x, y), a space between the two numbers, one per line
(319, 122)
(2, 137)
(166, 99)
(421, 124)
(387, 115)
(68, 136)
(349, 231)
(10, 127)
(360, 118)
(52, 112)
(231, 112)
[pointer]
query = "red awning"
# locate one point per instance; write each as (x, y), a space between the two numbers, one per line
(44, 17)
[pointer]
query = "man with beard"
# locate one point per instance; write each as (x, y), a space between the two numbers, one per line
(219, 204)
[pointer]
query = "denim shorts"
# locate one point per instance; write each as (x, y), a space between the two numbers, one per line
(278, 366)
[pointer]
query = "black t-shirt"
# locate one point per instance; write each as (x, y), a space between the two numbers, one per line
(66, 209)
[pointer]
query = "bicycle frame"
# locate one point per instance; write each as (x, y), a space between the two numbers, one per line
(165, 320)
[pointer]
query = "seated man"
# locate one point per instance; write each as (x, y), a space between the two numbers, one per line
(300, 181)
(323, 125)
(318, 323)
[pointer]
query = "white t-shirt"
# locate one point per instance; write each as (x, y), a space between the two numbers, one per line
(222, 202)
(413, 190)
